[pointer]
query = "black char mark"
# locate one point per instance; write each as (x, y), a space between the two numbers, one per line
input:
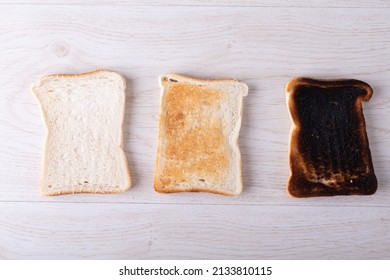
(330, 138)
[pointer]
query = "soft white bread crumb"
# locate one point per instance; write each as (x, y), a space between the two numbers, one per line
(83, 152)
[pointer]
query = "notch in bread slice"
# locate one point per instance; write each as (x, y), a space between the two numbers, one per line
(198, 135)
(83, 151)
(329, 149)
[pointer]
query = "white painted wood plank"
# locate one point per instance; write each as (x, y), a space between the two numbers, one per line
(103, 231)
(221, 3)
(264, 47)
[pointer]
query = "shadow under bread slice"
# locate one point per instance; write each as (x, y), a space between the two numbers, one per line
(329, 149)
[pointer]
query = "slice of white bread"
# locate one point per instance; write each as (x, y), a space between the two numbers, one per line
(83, 114)
(198, 148)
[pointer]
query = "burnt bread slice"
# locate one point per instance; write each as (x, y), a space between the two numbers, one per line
(329, 149)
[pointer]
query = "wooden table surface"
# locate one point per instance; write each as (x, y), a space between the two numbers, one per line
(262, 43)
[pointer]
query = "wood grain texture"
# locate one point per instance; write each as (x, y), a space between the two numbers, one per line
(265, 50)
(264, 47)
(122, 231)
(220, 3)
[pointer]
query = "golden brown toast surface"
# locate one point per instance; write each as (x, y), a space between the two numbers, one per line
(194, 136)
(194, 152)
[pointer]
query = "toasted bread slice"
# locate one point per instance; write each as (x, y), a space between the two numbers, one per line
(83, 114)
(329, 150)
(198, 135)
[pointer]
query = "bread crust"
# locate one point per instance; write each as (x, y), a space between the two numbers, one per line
(291, 87)
(80, 189)
(184, 78)
(308, 176)
(180, 95)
